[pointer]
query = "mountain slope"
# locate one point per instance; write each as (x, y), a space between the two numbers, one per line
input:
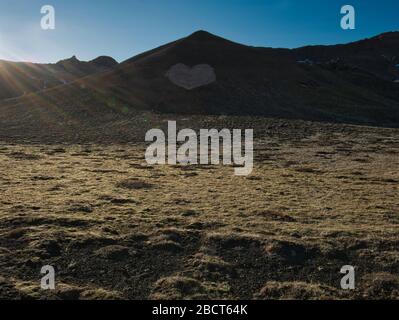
(20, 78)
(259, 81)
(315, 83)
(378, 55)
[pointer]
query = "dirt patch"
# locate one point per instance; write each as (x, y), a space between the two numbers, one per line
(380, 286)
(114, 252)
(295, 291)
(24, 156)
(133, 184)
(232, 241)
(275, 215)
(180, 287)
(81, 207)
(292, 252)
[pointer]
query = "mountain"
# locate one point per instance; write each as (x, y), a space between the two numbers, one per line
(378, 55)
(20, 78)
(346, 83)
(351, 83)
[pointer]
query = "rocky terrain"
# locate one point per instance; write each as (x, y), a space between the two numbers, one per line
(321, 196)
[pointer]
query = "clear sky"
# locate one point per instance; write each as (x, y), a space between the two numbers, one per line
(124, 28)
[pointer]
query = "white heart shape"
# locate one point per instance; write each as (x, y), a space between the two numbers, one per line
(191, 78)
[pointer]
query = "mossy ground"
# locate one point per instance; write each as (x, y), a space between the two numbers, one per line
(117, 228)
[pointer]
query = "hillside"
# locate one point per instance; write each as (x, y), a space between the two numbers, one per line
(352, 83)
(377, 55)
(257, 81)
(263, 81)
(21, 78)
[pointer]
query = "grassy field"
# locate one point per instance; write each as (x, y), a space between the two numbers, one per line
(319, 197)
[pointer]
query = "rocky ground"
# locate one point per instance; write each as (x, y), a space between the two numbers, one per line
(321, 196)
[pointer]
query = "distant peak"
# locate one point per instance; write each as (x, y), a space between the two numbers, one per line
(201, 33)
(104, 61)
(71, 59)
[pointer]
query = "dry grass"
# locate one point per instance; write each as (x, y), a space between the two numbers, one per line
(116, 228)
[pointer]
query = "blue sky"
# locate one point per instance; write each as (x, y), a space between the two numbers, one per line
(123, 28)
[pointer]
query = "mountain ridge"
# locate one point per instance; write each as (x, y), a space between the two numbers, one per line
(270, 80)
(351, 83)
(21, 78)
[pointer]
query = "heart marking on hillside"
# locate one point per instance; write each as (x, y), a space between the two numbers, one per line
(191, 78)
